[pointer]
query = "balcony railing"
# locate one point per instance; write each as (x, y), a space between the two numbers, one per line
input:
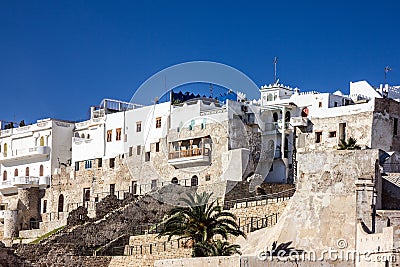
(19, 154)
(189, 157)
(11, 186)
(189, 153)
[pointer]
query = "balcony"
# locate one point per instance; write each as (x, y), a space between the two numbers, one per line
(11, 186)
(36, 152)
(299, 121)
(189, 157)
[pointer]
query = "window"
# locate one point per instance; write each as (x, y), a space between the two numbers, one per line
(109, 135)
(112, 189)
(272, 167)
(138, 126)
(134, 187)
(158, 147)
(208, 177)
(44, 206)
(130, 151)
(77, 166)
(153, 184)
(270, 97)
(88, 164)
(61, 203)
(286, 148)
(320, 104)
(174, 180)
(287, 116)
(99, 162)
(147, 156)
(318, 137)
(27, 171)
(158, 122)
(138, 152)
(41, 170)
(395, 124)
(5, 150)
(86, 194)
(118, 137)
(332, 134)
(335, 104)
(15, 172)
(194, 181)
(4, 176)
(275, 117)
(112, 162)
(42, 141)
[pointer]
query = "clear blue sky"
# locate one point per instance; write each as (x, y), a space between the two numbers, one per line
(59, 57)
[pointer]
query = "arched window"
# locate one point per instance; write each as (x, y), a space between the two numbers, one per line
(269, 97)
(15, 172)
(174, 180)
(27, 171)
(194, 181)
(61, 203)
(275, 116)
(287, 116)
(41, 170)
(42, 141)
(88, 136)
(4, 175)
(5, 150)
(76, 134)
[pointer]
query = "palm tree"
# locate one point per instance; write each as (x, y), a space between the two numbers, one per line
(351, 144)
(216, 248)
(200, 221)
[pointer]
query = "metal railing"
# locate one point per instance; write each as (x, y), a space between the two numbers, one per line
(259, 200)
(257, 223)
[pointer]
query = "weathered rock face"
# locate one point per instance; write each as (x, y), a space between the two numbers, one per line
(75, 242)
(9, 259)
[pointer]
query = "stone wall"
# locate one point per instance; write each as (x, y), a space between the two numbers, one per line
(200, 262)
(326, 192)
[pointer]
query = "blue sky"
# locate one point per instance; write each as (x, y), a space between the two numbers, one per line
(59, 57)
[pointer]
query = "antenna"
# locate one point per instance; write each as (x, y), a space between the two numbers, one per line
(211, 90)
(275, 63)
(386, 70)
